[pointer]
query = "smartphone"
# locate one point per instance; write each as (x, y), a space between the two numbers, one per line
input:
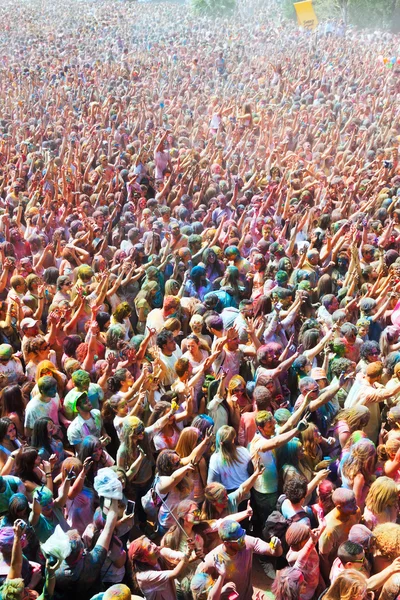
(130, 507)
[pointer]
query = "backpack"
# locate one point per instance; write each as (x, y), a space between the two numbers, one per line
(151, 502)
(277, 525)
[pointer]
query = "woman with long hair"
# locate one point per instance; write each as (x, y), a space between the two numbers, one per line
(10, 446)
(215, 268)
(230, 464)
(348, 585)
(289, 584)
(36, 350)
(135, 457)
(147, 561)
(121, 316)
(173, 484)
(80, 499)
(389, 340)
(313, 444)
(191, 447)
(357, 468)
(188, 516)
(382, 503)
(13, 406)
(346, 422)
(46, 445)
(92, 448)
(167, 435)
(33, 471)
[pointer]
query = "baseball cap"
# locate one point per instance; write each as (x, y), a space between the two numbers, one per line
(28, 322)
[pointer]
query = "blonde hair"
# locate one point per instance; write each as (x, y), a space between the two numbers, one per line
(383, 494)
(388, 450)
(225, 444)
(387, 540)
(358, 460)
(354, 416)
(348, 584)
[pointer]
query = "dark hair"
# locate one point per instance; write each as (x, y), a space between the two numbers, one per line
(214, 322)
(115, 381)
(50, 275)
(295, 489)
(164, 337)
(5, 423)
(102, 318)
(367, 347)
(12, 401)
(348, 551)
(40, 435)
(165, 464)
(70, 344)
(25, 465)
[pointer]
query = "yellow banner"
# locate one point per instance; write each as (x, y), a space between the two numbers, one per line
(306, 15)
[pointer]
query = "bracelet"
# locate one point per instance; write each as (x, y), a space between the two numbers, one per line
(48, 474)
(11, 456)
(40, 297)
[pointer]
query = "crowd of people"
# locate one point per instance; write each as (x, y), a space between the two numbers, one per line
(199, 305)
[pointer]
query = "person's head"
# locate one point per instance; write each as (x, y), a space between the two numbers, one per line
(289, 584)
(90, 447)
(351, 555)
(374, 371)
(82, 403)
(11, 400)
(361, 458)
(168, 461)
(202, 423)
(225, 444)
(166, 342)
(330, 302)
(18, 284)
(143, 552)
(26, 462)
(188, 440)
(265, 423)
(233, 536)
(18, 507)
(214, 324)
(115, 334)
(201, 585)
(47, 386)
(215, 500)
(356, 417)
(118, 591)
(268, 355)
(76, 547)
(345, 501)
(70, 344)
(297, 535)
(122, 312)
(295, 489)
(171, 305)
(81, 380)
(43, 429)
(350, 584)
(382, 496)
(349, 332)
(29, 327)
(8, 430)
(121, 380)
(45, 498)
(370, 351)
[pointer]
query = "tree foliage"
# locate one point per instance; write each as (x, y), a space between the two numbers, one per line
(213, 7)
